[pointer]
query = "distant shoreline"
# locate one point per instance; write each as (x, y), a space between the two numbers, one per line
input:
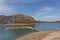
(50, 22)
(54, 22)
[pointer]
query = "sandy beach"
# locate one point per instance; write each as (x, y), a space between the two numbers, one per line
(21, 24)
(47, 35)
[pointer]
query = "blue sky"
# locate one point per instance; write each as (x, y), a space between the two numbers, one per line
(44, 10)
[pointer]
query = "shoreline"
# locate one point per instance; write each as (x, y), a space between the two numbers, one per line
(44, 35)
(21, 24)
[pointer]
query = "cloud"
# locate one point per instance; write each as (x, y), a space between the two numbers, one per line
(46, 9)
(1, 2)
(47, 14)
(50, 18)
(27, 1)
(3, 7)
(43, 11)
(23, 1)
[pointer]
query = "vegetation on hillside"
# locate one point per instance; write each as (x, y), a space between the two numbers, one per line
(17, 18)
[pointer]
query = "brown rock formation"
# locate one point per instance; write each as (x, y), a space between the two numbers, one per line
(18, 18)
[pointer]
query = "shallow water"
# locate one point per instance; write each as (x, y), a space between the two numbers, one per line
(15, 33)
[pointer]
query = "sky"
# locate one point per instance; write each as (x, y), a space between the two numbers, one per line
(43, 10)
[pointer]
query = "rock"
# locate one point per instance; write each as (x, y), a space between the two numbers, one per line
(18, 18)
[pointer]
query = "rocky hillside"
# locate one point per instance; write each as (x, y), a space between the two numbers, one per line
(18, 18)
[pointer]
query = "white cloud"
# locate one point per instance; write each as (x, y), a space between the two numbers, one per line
(23, 1)
(40, 13)
(29, 0)
(50, 17)
(2, 2)
(46, 14)
(47, 9)
(4, 7)
(43, 11)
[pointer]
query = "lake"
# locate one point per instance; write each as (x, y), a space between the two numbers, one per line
(15, 33)
(47, 26)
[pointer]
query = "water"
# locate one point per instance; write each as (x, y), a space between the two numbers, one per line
(7, 35)
(15, 33)
(47, 26)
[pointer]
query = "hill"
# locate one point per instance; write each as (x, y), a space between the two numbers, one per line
(17, 18)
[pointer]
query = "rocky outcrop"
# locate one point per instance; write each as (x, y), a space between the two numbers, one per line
(18, 18)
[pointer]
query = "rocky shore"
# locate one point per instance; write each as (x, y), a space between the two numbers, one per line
(46, 35)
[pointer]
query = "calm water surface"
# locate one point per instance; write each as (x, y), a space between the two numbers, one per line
(47, 26)
(15, 33)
